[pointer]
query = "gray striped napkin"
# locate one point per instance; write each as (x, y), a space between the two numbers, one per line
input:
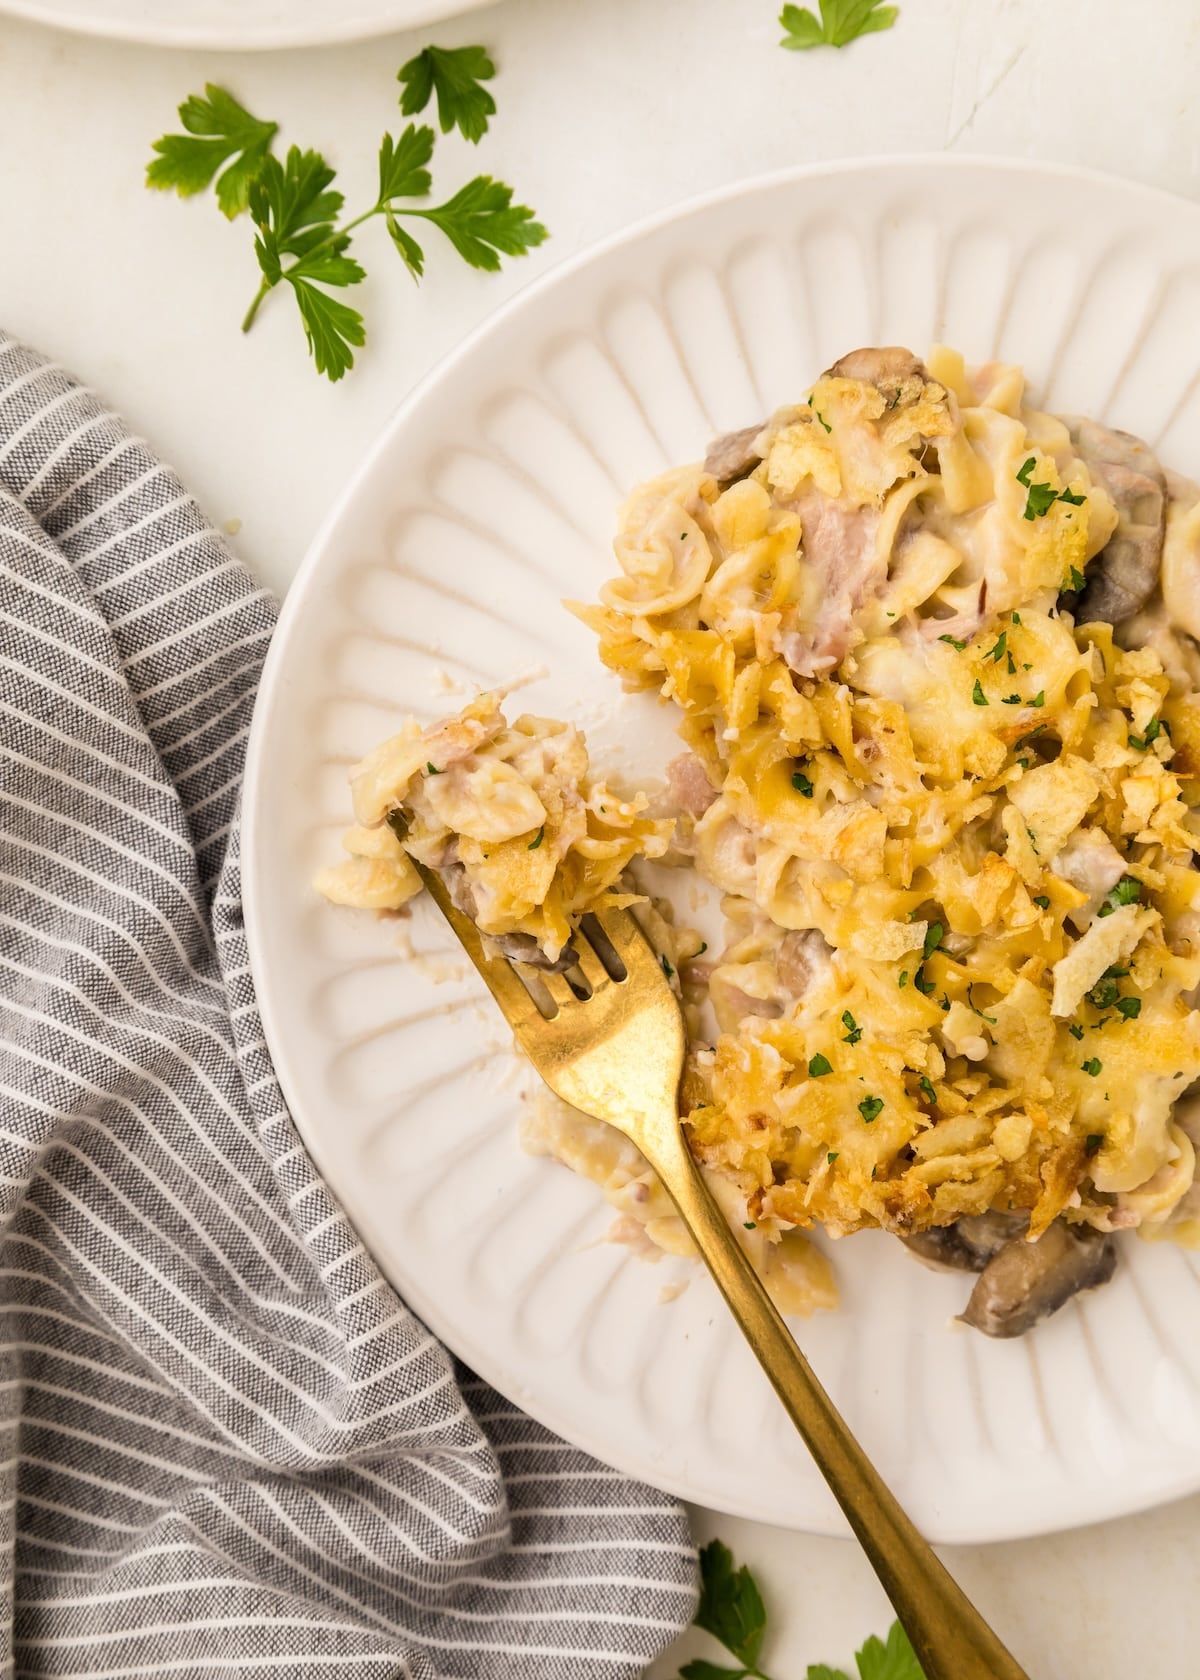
(230, 1448)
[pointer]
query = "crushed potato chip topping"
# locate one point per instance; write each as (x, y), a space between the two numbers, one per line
(875, 606)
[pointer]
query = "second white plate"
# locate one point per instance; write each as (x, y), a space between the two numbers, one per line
(491, 496)
(237, 25)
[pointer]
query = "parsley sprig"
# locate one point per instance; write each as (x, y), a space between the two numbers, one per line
(840, 22)
(731, 1609)
(300, 241)
(455, 75)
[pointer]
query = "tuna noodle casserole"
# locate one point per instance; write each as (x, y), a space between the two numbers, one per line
(935, 659)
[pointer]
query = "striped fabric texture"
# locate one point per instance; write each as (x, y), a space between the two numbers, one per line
(229, 1448)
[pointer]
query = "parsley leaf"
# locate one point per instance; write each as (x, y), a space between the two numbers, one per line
(731, 1606)
(954, 642)
(871, 1108)
(1075, 581)
(293, 210)
(1075, 1030)
(934, 934)
(819, 1066)
(1093, 1144)
(482, 223)
(1042, 902)
(802, 784)
(853, 1030)
(666, 967)
(977, 694)
(455, 74)
(1126, 891)
(402, 164)
(1104, 993)
(997, 653)
(1091, 1066)
(1131, 1008)
(218, 130)
(894, 1661)
(1040, 500)
(1153, 730)
(537, 839)
(841, 21)
(927, 1090)
(701, 1670)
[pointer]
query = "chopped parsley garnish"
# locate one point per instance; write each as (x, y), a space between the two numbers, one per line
(997, 653)
(822, 419)
(1104, 993)
(1039, 698)
(666, 968)
(1075, 581)
(853, 1030)
(819, 1066)
(977, 694)
(1016, 617)
(1041, 498)
(432, 770)
(1032, 736)
(749, 1225)
(1153, 730)
(927, 1089)
(1130, 1008)
(1042, 902)
(1012, 666)
(934, 935)
(954, 642)
(802, 784)
(1075, 1030)
(923, 985)
(841, 21)
(1011, 700)
(903, 980)
(1091, 1066)
(703, 947)
(1126, 891)
(1093, 1145)
(537, 839)
(832, 1156)
(990, 1019)
(871, 1108)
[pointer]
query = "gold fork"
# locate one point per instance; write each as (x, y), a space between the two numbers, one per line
(618, 1056)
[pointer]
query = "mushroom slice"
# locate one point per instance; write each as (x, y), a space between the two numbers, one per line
(733, 455)
(967, 1245)
(1126, 571)
(524, 948)
(1027, 1281)
(517, 947)
(888, 364)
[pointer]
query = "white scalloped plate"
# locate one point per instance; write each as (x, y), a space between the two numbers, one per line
(237, 25)
(490, 496)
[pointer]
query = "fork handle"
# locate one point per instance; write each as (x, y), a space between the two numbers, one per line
(950, 1637)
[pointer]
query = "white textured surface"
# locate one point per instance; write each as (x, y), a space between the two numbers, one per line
(143, 296)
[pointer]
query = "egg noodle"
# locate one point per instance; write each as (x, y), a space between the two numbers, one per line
(933, 657)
